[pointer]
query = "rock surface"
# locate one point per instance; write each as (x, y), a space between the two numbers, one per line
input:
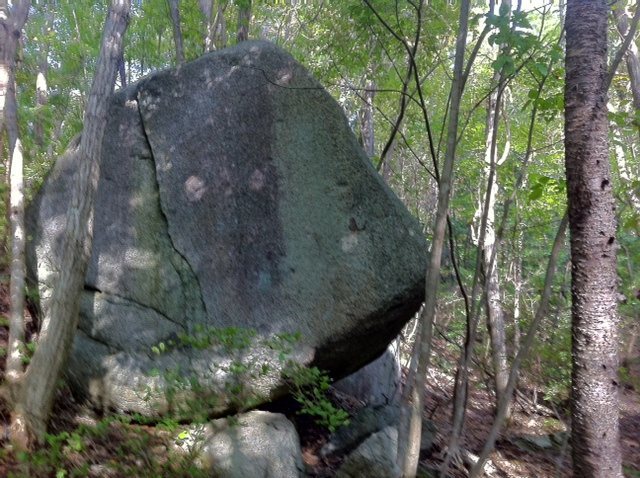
(255, 444)
(238, 225)
(374, 458)
(366, 423)
(377, 383)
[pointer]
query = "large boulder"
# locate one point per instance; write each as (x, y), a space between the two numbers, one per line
(238, 227)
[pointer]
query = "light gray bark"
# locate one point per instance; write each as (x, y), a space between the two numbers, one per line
(11, 24)
(215, 28)
(594, 400)
(367, 132)
(244, 20)
(42, 93)
(495, 315)
(206, 7)
(410, 464)
(631, 56)
(174, 9)
(31, 410)
(503, 406)
(15, 345)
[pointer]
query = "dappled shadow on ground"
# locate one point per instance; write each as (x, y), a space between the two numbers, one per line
(137, 446)
(517, 455)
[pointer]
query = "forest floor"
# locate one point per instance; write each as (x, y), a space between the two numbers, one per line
(535, 443)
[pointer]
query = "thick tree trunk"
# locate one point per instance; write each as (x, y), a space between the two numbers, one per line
(594, 401)
(122, 72)
(174, 9)
(32, 409)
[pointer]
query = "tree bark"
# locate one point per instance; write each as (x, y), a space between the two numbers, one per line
(11, 24)
(594, 400)
(174, 9)
(367, 132)
(220, 26)
(42, 93)
(244, 20)
(206, 7)
(495, 316)
(503, 406)
(410, 465)
(32, 409)
(15, 345)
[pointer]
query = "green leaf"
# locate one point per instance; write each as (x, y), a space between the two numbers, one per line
(542, 69)
(632, 223)
(536, 192)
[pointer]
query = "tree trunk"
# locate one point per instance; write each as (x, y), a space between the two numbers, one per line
(32, 409)
(220, 26)
(206, 7)
(10, 31)
(367, 133)
(495, 316)
(594, 400)
(244, 20)
(42, 93)
(174, 9)
(517, 286)
(410, 464)
(631, 57)
(122, 72)
(15, 347)
(11, 23)
(503, 406)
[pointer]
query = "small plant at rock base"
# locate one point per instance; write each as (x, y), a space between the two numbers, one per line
(187, 397)
(309, 388)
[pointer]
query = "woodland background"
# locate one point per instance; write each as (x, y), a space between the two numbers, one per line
(389, 65)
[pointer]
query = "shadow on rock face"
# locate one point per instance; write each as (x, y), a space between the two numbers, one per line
(232, 197)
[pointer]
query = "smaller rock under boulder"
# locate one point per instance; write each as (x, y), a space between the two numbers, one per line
(374, 458)
(256, 444)
(376, 383)
(368, 422)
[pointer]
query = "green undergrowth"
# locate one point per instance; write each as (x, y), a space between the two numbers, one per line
(112, 447)
(187, 395)
(138, 446)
